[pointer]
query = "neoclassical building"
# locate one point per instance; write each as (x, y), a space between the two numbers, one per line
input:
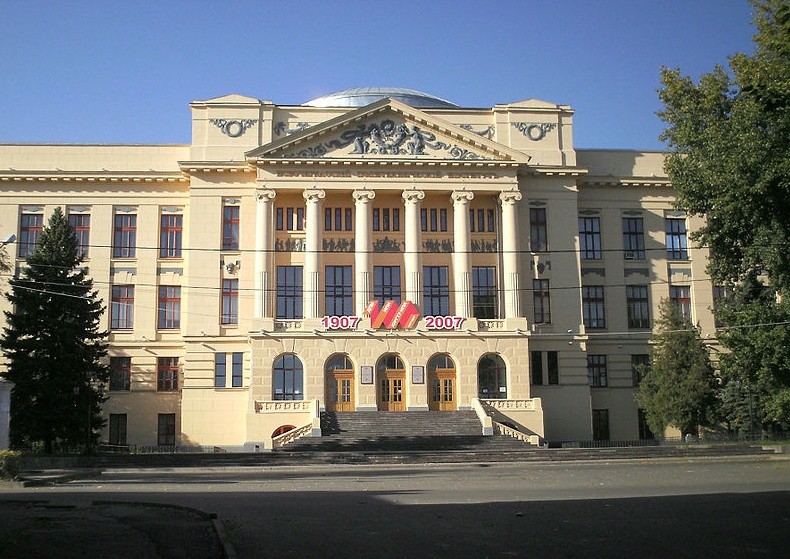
(374, 249)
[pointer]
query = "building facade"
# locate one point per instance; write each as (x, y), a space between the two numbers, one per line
(374, 249)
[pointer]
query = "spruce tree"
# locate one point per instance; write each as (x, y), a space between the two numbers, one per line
(679, 386)
(53, 346)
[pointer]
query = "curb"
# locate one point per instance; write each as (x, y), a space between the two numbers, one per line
(30, 479)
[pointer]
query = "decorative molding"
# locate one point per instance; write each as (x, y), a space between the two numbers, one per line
(461, 197)
(412, 196)
(163, 271)
(172, 210)
(537, 203)
(290, 245)
(386, 245)
(281, 128)
(265, 195)
(487, 132)
(483, 245)
(534, 131)
(435, 245)
(314, 195)
(511, 197)
(78, 209)
(594, 272)
(233, 127)
(337, 245)
(637, 271)
(363, 196)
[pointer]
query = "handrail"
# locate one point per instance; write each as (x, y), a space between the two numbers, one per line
(485, 419)
(502, 429)
(292, 435)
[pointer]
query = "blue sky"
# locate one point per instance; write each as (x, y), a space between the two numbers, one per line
(124, 72)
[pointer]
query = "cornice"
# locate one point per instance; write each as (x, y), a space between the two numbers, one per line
(558, 171)
(626, 181)
(216, 167)
(368, 162)
(93, 177)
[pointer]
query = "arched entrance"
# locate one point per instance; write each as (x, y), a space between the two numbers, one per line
(441, 383)
(491, 377)
(339, 379)
(391, 377)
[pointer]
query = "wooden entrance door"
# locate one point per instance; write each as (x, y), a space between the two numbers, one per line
(442, 390)
(391, 390)
(341, 391)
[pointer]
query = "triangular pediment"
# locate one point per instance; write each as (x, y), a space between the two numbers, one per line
(233, 98)
(386, 130)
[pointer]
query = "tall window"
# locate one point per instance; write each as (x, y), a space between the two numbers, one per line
(436, 291)
(220, 370)
(538, 232)
(81, 223)
(167, 374)
(120, 373)
(290, 218)
(633, 238)
(230, 227)
(491, 377)
(338, 291)
(169, 307)
(117, 426)
(338, 219)
(638, 306)
(484, 292)
(677, 248)
(590, 238)
(166, 429)
(680, 295)
(541, 301)
(170, 232)
(230, 301)
(639, 364)
(386, 219)
(237, 363)
(720, 295)
(386, 283)
(433, 219)
(596, 370)
(30, 227)
(593, 306)
(536, 367)
(124, 241)
(122, 307)
(600, 420)
(482, 220)
(553, 363)
(287, 379)
(289, 292)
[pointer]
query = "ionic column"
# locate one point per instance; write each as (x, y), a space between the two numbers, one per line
(509, 252)
(411, 199)
(263, 252)
(362, 248)
(312, 260)
(462, 279)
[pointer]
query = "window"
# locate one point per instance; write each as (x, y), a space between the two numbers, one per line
(166, 430)
(122, 307)
(337, 219)
(593, 306)
(124, 242)
(436, 291)
(170, 233)
(491, 377)
(639, 364)
(553, 366)
(117, 425)
(230, 301)
(433, 219)
(230, 227)
(30, 227)
(596, 370)
(482, 220)
(81, 223)
(290, 219)
(538, 233)
(120, 373)
(289, 292)
(237, 363)
(220, 368)
(638, 306)
(484, 293)
(386, 284)
(720, 295)
(590, 238)
(633, 238)
(169, 309)
(382, 220)
(167, 374)
(600, 419)
(536, 367)
(680, 295)
(676, 238)
(541, 301)
(287, 381)
(338, 291)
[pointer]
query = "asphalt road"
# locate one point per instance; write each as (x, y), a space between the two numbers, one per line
(674, 508)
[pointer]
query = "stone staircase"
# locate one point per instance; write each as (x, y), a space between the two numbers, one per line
(421, 432)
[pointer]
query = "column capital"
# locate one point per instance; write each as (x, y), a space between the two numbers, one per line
(413, 196)
(461, 197)
(363, 196)
(265, 194)
(510, 198)
(314, 195)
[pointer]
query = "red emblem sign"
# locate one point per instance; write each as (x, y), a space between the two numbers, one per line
(391, 315)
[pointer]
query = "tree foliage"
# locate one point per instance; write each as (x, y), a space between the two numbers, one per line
(679, 387)
(53, 345)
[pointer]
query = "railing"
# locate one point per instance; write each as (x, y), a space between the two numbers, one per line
(490, 325)
(287, 325)
(292, 435)
(485, 420)
(501, 429)
(280, 406)
(511, 405)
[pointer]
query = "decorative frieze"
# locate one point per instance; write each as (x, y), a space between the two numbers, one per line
(232, 127)
(282, 129)
(487, 132)
(534, 131)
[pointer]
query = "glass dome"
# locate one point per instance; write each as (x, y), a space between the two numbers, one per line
(363, 96)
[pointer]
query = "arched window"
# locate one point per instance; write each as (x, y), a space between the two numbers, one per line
(287, 381)
(440, 361)
(389, 362)
(338, 361)
(491, 377)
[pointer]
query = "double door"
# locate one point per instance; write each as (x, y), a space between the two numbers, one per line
(391, 386)
(442, 390)
(340, 395)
